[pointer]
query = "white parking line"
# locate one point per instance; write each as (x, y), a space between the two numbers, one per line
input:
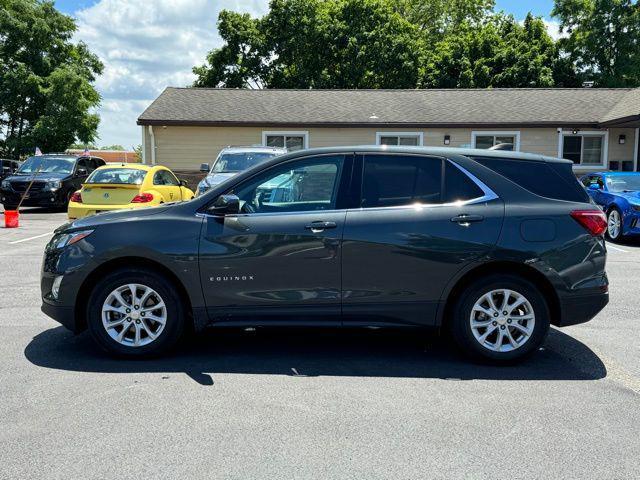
(616, 248)
(30, 238)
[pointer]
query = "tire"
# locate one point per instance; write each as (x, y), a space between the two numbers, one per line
(465, 312)
(611, 214)
(165, 336)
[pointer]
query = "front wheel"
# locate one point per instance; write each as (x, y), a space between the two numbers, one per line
(135, 313)
(502, 318)
(614, 224)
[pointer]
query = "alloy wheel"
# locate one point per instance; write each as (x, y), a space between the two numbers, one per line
(502, 320)
(614, 224)
(134, 315)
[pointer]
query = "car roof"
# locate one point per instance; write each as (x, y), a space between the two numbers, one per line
(253, 148)
(437, 151)
(135, 166)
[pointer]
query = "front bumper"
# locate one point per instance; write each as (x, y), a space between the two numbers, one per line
(42, 198)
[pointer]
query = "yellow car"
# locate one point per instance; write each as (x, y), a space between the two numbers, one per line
(120, 186)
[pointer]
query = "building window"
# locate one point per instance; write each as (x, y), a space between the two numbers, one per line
(294, 140)
(409, 139)
(501, 140)
(586, 148)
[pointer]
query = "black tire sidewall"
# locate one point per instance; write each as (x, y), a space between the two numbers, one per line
(175, 312)
(461, 327)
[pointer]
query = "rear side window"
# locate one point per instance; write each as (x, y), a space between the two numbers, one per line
(550, 180)
(396, 180)
(458, 187)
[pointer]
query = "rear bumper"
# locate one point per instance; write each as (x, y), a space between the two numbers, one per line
(582, 309)
(81, 210)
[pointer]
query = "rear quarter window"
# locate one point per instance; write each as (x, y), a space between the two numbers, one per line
(550, 180)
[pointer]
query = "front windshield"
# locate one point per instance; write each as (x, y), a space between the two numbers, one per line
(623, 183)
(237, 162)
(122, 176)
(48, 165)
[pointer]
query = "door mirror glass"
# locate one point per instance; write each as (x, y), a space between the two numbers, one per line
(225, 205)
(204, 167)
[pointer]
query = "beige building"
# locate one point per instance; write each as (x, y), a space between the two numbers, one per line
(596, 128)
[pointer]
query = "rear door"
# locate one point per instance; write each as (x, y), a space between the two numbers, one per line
(421, 220)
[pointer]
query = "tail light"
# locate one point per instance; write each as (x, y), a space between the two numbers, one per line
(76, 197)
(143, 198)
(594, 221)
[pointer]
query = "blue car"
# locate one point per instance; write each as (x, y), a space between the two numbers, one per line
(618, 193)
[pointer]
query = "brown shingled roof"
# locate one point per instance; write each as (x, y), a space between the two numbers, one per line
(459, 107)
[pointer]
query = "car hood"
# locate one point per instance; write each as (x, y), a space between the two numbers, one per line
(129, 215)
(217, 178)
(633, 197)
(41, 177)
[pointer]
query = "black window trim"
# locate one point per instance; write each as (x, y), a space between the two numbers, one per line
(345, 175)
(487, 196)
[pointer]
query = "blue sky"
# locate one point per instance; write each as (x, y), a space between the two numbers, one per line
(147, 45)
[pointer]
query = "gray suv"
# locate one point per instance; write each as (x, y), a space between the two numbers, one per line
(233, 160)
(492, 246)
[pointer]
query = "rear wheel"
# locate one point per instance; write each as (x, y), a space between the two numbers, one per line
(502, 318)
(614, 224)
(135, 313)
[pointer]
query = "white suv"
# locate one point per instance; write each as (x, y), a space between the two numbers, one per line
(233, 160)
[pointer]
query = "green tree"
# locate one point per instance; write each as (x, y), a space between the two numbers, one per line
(499, 53)
(117, 147)
(316, 44)
(604, 39)
(46, 80)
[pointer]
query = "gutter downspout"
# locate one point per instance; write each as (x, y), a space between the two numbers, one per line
(153, 145)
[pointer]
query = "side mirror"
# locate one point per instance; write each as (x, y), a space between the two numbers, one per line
(225, 205)
(594, 186)
(204, 167)
(184, 183)
(82, 172)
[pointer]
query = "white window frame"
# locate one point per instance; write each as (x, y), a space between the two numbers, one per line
(420, 136)
(283, 133)
(589, 133)
(496, 133)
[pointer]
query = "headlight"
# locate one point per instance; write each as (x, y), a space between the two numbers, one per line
(63, 240)
(5, 184)
(54, 184)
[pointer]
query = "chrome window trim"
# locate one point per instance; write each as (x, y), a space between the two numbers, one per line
(488, 195)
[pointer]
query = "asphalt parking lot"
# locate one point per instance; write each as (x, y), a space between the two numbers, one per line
(313, 404)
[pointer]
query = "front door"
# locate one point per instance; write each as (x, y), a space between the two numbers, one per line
(282, 253)
(422, 219)
(167, 185)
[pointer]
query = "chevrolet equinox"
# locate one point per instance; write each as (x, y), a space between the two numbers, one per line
(493, 246)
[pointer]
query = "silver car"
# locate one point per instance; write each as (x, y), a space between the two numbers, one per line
(233, 160)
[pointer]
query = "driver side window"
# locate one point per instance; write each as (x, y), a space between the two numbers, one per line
(304, 185)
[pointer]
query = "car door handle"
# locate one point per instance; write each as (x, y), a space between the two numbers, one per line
(466, 218)
(320, 226)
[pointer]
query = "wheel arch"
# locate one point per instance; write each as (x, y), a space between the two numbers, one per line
(129, 262)
(506, 268)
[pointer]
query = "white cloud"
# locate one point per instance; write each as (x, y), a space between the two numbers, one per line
(147, 45)
(553, 29)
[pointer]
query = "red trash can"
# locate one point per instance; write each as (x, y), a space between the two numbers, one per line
(11, 219)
